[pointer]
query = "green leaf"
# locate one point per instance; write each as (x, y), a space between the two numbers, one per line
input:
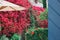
(44, 15)
(16, 37)
(4, 37)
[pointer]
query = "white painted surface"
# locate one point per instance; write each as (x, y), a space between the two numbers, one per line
(38, 4)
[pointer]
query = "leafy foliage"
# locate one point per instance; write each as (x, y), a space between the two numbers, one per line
(44, 15)
(37, 34)
(3, 37)
(14, 37)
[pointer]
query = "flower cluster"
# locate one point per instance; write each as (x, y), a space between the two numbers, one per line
(38, 9)
(13, 22)
(44, 23)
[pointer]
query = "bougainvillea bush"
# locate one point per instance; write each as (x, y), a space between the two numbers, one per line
(13, 22)
(29, 24)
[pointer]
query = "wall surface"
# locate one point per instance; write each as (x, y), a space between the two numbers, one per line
(54, 20)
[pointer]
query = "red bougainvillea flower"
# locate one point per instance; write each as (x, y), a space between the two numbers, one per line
(32, 33)
(38, 9)
(44, 23)
(14, 22)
